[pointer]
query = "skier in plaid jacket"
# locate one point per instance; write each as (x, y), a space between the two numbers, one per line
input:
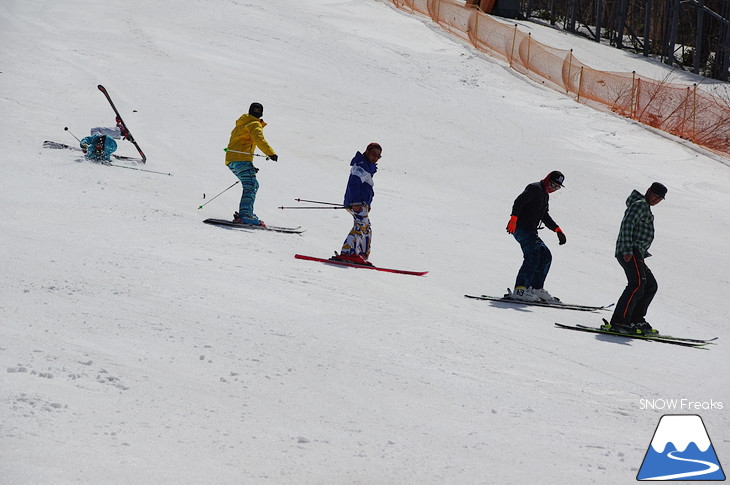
(632, 248)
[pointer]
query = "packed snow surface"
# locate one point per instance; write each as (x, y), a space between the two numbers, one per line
(138, 345)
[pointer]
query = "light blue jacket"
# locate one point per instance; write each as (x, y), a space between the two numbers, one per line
(94, 148)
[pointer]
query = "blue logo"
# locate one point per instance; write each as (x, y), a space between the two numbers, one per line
(681, 450)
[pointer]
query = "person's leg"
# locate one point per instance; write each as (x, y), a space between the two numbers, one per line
(642, 304)
(542, 265)
(358, 240)
(246, 173)
(531, 246)
(636, 281)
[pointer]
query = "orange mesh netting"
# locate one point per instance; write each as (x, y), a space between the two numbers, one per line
(678, 109)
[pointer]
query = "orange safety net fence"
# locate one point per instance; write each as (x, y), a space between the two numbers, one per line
(674, 108)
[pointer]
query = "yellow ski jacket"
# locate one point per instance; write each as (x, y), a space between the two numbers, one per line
(245, 137)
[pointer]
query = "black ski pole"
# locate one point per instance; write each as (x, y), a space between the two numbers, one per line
(65, 128)
(138, 169)
(317, 202)
(314, 207)
(211, 200)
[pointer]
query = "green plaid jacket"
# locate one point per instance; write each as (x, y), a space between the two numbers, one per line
(637, 227)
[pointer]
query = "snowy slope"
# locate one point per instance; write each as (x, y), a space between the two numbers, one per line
(138, 345)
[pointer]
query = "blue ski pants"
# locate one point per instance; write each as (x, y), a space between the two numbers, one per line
(246, 173)
(536, 259)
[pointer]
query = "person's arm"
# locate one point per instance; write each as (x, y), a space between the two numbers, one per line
(257, 133)
(625, 243)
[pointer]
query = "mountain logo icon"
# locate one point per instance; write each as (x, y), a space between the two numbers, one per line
(681, 450)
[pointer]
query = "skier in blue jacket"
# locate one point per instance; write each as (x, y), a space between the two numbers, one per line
(98, 148)
(358, 199)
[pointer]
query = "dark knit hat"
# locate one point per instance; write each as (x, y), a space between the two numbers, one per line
(373, 146)
(256, 109)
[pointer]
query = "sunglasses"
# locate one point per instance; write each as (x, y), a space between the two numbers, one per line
(555, 186)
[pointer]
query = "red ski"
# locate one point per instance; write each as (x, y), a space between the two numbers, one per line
(356, 265)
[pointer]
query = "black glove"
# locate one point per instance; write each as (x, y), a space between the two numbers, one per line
(274, 157)
(561, 236)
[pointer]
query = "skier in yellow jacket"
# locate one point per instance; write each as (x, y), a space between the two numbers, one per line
(245, 137)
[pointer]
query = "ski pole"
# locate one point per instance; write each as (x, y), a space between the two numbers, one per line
(314, 207)
(245, 153)
(211, 200)
(135, 168)
(65, 128)
(317, 202)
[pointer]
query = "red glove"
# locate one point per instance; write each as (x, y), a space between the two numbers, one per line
(561, 235)
(512, 224)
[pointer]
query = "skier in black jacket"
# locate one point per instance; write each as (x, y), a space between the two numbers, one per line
(529, 209)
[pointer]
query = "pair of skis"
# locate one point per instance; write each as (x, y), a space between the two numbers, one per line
(349, 264)
(665, 339)
(564, 306)
(240, 225)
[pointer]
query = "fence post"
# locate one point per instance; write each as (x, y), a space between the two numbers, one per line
(570, 68)
(580, 83)
(685, 107)
(512, 54)
(632, 108)
(529, 44)
(474, 34)
(694, 113)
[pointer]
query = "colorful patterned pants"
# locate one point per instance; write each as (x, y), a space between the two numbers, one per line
(246, 173)
(358, 241)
